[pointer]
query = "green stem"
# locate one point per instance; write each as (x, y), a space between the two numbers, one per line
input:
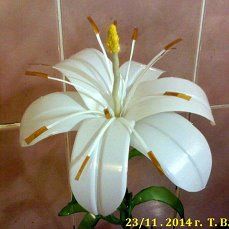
(116, 71)
(125, 209)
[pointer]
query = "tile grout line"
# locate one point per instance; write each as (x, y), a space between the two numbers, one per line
(196, 67)
(60, 31)
(199, 41)
(223, 106)
(9, 126)
(62, 57)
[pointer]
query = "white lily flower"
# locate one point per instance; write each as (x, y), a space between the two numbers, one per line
(112, 111)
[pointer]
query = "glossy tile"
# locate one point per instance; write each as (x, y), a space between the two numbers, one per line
(213, 200)
(213, 67)
(34, 184)
(28, 35)
(105, 225)
(159, 23)
(143, 174)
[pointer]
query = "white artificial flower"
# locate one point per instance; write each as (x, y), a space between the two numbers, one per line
(145, 121)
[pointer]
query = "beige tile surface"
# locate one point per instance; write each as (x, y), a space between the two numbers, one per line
(159, 22)
(33, 183)
(213, 69)
(28, 35)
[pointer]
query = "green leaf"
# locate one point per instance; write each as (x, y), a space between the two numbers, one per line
(134, 153)
(159, 194)
(112, 219)
(71, 208)
(89, 221)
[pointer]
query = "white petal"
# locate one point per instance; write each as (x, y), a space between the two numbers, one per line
(88, 86)
(171, 84)
(102, 184)
(147, 106)
(88, 65)
(49, 109)
(136, 69)
(92, 97)
(180, 148)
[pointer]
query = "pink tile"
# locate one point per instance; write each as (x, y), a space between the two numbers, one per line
(159, 23)
(34, 184)
(105, 225)
(213, 200)
(214, 68)
(28, 35)
(143, 174)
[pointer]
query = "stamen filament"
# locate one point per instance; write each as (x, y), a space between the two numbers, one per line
(105, 54)
(132, 90)
(134, 38)
(96, 30)
(43, 129)
(156, 96)
(101, 132)
(44, 75)
(149, 153)
(90, 149)
(72, 115)
(162, 53)
(144, 146)
(78, 89)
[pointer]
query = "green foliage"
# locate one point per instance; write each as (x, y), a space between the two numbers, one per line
(135, 153)
(71, 208)
(89, 221)
(159, 194)
(112, 219)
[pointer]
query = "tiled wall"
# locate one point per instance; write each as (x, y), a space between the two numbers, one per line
(34, 181)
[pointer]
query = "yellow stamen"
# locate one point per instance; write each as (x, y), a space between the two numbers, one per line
(107, 113)
(171, 44)
(155, 162)
(113, 39)
(36, 134)
(82, 168)
(93, 25)
(135, 34)
(40, 74)
(179, 95)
